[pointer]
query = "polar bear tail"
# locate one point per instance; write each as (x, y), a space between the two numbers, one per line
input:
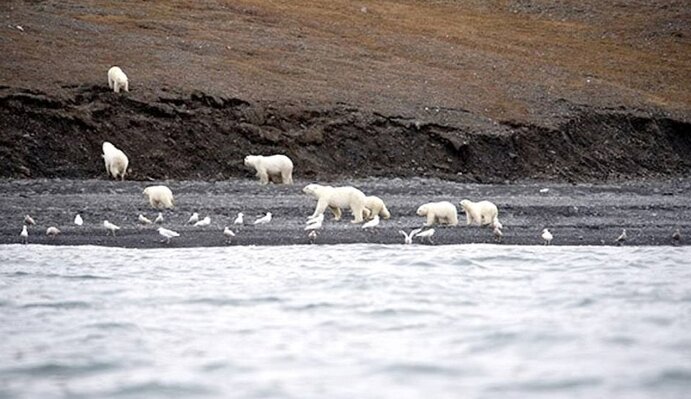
(385, 214)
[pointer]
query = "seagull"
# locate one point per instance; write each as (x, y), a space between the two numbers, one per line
(240, 218)
(546, 236)
(312, 236)
(409, 236)
(193, 219)
(622, 237)
(372, 223)
(497, 233)
(676, 236)
(228, 233)
(159, 218)
(204, 222)
(24, 234)
(316, 225)
(544, 190)
(168, 234)
(110, 226)
(264, 219)
(78, 220)
(316, 219)
(426, 234)
(29, 220)
(52, 231)
(143, 219)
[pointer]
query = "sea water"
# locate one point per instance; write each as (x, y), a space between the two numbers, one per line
(345, 321)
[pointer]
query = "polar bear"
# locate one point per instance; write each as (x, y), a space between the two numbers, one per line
(376, 206)
(481, 213)
(116, 161)
(336, 198)
(271, 166)
(442, 212)
(117, 79)
(160, 197)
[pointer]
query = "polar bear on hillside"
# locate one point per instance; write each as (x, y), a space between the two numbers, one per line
(117, 79)
(271, 166)
(116, 161)
(442, 212)
(160, 197)
(481, 213)
(376, 206)
(336, 198)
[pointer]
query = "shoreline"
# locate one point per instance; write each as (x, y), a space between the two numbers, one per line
(581, 214)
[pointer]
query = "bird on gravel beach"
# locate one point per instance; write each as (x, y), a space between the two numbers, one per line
(409, 237)
(312, 236)
(168, 234)
(546, 236)
(143, 219)
(78, 220)
(622, 237)
(159, 218)
(264, 219)
(110, 227)
(24, 234)
(426, 234)
(676, 236)
(372, 223)
(28, 220)
(497, 233)
(228, 234)
(204, 222)
(194, 218)
(240, 218)
(52, 231)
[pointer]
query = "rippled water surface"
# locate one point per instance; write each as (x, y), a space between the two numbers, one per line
(356, 321)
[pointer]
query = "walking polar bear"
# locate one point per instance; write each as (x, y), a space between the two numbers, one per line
(442, 212)
(117, 79)
(160, 197)
(481, 213)
(336, 198)
(116, 161)
(271, 166)
(376, 206)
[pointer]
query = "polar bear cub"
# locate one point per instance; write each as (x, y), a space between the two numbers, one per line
(117, 79)
(481, 213)
(442, 212)
(160, 197)
(271, 166)
(376, 206)
(116, 161)
(336, 198)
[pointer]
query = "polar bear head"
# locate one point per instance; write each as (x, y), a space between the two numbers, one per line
(251, 160)
(313, 189)
(422, 210)
(465, 204)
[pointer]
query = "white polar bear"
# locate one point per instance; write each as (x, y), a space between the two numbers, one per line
(271, 166)
(481, 213)
(160, 197)
(116, 161)
(442, 212)
(117, 79)
(376, 206)
(336, 198)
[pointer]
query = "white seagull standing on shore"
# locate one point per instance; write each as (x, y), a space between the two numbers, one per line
(497, 233)
(159, 218)
(228, 233)
(168, 234)
(78, 220)
(547, 236)
(312, 236)
(426, 234)
(29, 220)
(52, 231)
(143, 219)
(264, 219)
(110, 227)
(676, 236)
(409, 237)
(24, 234)
(204, 222)
(194, 218)
(622, 237)
(240, 218)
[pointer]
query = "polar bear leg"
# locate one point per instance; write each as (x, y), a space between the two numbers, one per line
(336, 212)
(116, 86)
(430, 219)
(287, 176)
(110, 82)
(127, 86)
(322, 204)
(476, 216)
(358, 211)
(468, 219)
(263, 176)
